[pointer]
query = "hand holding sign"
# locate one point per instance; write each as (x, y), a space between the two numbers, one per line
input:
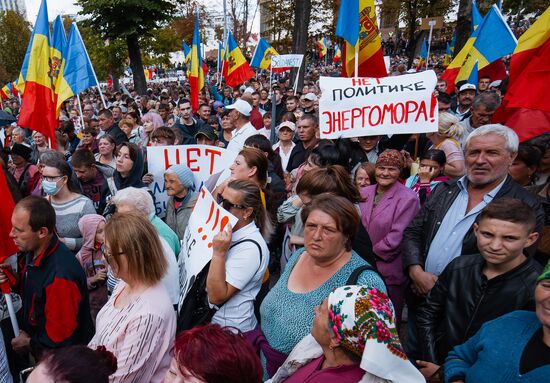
(222, 241)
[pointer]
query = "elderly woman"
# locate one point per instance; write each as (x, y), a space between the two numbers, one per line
(106, 147)
(213, 354)
(447, 139)
(138, 323)
(140, 201)
(180, 187)
(386, 211)
(326, 262)
(353, 339)
(519, 355)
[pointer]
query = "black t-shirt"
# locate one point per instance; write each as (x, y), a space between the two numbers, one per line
(536, 354)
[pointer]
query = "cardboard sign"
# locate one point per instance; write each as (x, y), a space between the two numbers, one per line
(286, 61)
(207, 219)
(203, 160)
(360, 106)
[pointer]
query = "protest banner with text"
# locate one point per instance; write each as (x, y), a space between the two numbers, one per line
(203, 160)
(360, 106)
(207, 219)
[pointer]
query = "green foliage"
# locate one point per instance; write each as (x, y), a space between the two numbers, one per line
(15, 34)
(521, 8)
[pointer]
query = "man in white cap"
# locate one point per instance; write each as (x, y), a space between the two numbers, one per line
(308, 103)
(240, 118)
(466, 95)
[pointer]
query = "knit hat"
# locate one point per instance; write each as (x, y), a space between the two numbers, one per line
(390, 157)
(185, 175)
(545, 273)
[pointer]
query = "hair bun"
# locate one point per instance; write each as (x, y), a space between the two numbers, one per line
(108, 358)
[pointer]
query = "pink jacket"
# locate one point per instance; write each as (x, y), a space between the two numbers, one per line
(385, 224)
(88, 226)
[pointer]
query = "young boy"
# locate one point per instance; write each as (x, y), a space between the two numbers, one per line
(477, 288)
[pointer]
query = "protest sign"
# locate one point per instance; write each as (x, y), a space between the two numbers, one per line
(286, 61)
(207, 219)
(354, 107)
(203, 160)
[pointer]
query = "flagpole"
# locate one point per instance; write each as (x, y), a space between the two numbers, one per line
(11, 312)
(297, 77)
(357, 59)
(432, 23)
(80, 110)
(91, 66)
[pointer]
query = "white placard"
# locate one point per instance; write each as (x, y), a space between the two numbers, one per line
(361, 106)
(207, 219)
(286, 61)
(203, 160)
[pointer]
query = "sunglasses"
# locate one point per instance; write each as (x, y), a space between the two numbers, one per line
(227, 205)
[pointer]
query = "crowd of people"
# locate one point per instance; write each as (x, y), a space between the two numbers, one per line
(374, 259)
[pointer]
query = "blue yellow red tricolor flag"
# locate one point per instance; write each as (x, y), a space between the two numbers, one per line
(337, 54)
(358, 18)
(322, 45)
(262, 55)
(58, 52)
(497, 40)
(236, 69)
(8, 91)
(423, 55)
(38, 107)
(448, 56)
(221, 56)
(196, 71)
(476, 17)
(526, 106)
(78, 73)
(186, 52)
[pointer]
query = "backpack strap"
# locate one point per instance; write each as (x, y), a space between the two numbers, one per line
(254, 242)
(112, 186)
(352, 280)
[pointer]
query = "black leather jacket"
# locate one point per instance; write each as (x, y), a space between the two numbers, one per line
(418, 236)
(463, 299)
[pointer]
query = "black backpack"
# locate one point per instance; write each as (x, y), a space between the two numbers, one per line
(195, 309)
(352, 280)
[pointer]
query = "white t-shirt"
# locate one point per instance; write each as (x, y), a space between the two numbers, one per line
(284, 157)
(244, 272)
(239, 137)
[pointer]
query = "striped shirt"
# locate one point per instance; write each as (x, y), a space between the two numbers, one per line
(67, 215)
(140, 335)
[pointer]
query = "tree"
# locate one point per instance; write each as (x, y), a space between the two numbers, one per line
(301, 26)
(15, 34)
(129, 20)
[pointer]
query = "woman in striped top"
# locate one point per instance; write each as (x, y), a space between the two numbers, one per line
(138, 323)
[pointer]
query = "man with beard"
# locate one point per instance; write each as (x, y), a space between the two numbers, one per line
(484, 106)
(466, 95)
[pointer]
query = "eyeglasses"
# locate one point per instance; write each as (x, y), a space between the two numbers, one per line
(52, 178)
(228, 205)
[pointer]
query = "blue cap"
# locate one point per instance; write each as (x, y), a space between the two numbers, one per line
(185, 175)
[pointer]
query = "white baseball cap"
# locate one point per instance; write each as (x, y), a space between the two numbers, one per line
(242, 106)
(287, 124)
(310, 97)
(467, 87)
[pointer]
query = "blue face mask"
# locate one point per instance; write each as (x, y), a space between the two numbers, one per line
(50, 187)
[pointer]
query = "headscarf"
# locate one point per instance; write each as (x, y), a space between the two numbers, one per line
(363, 319)
(545, 273)
(184, 174)
(390, 157)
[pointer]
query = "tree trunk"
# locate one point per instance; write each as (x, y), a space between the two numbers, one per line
(411, 21)
(140, 84)
(300, 36)
(463, 24)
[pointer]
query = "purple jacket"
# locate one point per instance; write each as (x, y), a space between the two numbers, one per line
(386, 224)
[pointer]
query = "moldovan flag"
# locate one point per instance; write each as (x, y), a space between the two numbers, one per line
(78, 74)
(236, 70)
(448, 55)
(460, 68)
(337, 54)
(7, 91)
(526, 106)
(423, 55)
(38, 107)
(357, 22)
(322, 45)
(186, 52)
(221, 56)
(262, 55)
(58, 52)
(196, 71)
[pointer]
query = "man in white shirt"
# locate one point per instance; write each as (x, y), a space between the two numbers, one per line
(240, 117)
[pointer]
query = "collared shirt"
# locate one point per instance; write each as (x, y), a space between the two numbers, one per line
(239, 137)
(284, 157)
(460, 115)
(447, 242)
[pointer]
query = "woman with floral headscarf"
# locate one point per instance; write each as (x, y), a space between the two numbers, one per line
(353, 339)
(387, 210)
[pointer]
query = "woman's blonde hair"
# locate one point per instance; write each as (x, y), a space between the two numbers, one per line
(449, 126)
(135, 237)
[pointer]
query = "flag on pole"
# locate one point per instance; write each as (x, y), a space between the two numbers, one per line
(186, 52)
(494, 40)
(236, 69)
(448, 55)
(7, 246)
(526, 106)
(221, 56)
(423, 55)
(337, 54)
(371, 58)
(322, 45)
(348, 26)
(58, 52)
(38, 107)
(8, 91)
(453, 43)
(78, 73)
(262, 55)
(476, 17)
(196, 72)
(472, 78)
